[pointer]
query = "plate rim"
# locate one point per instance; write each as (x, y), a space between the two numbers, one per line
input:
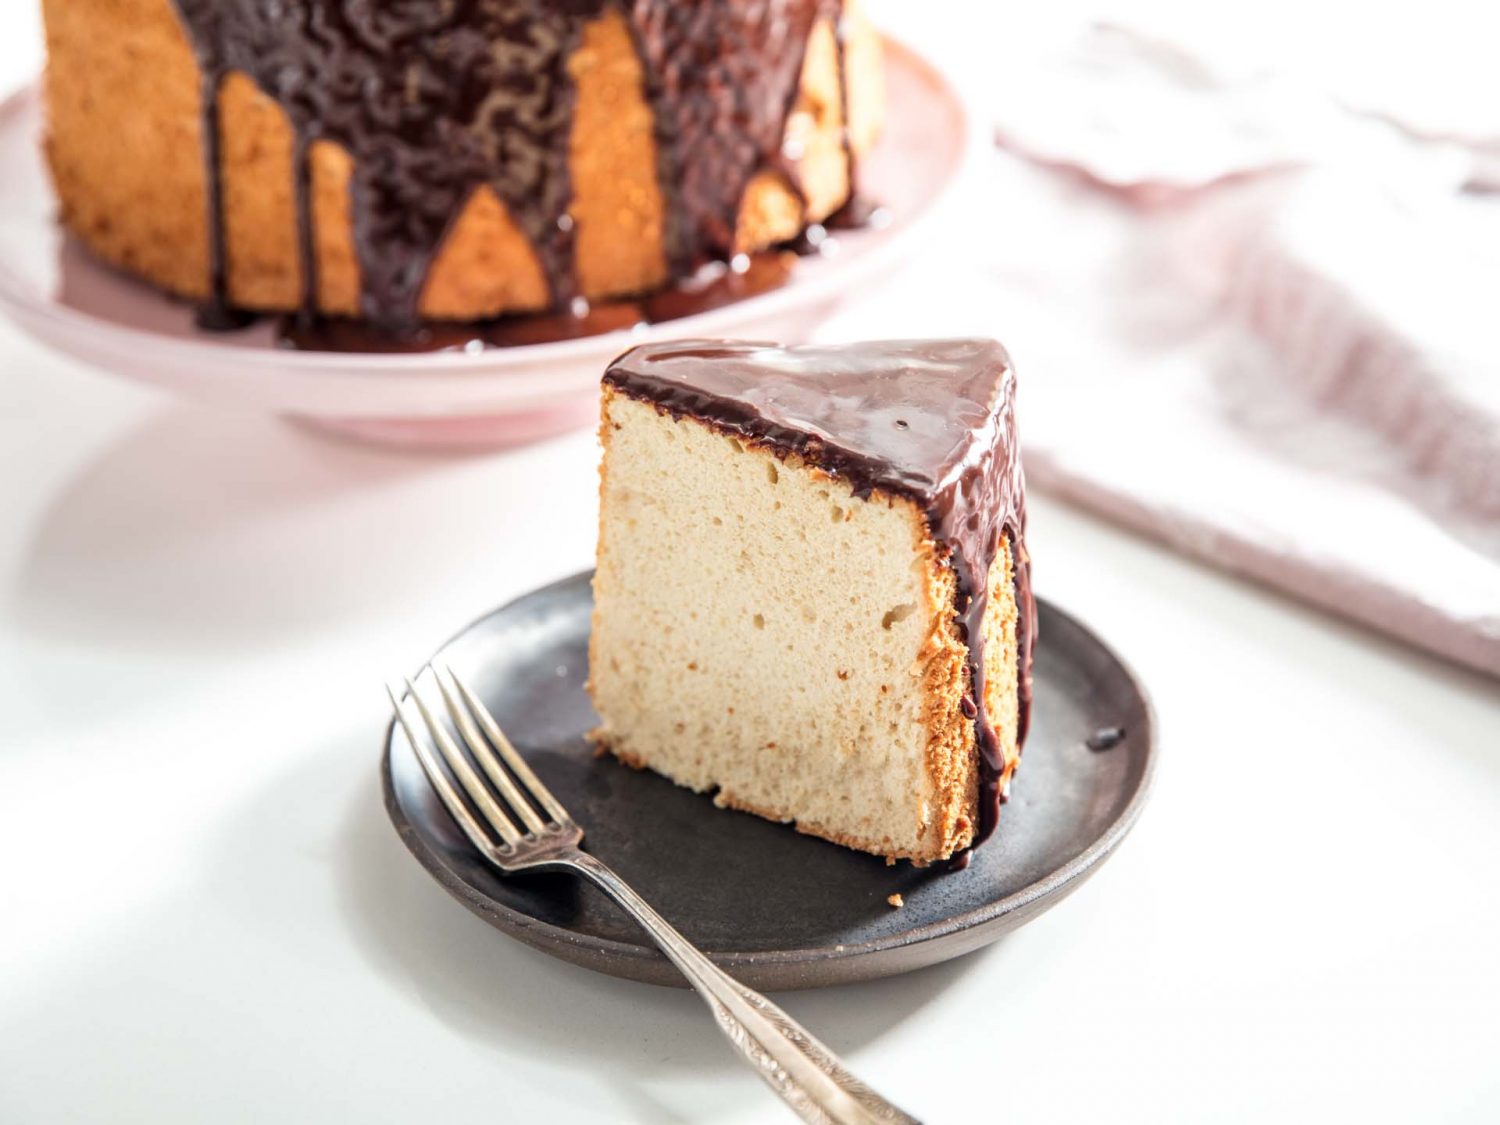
(27, 310)
(1054, 886)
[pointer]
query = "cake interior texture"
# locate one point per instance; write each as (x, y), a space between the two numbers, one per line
(776, 625)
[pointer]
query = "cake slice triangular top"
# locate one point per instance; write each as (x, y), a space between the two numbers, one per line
(813, 593)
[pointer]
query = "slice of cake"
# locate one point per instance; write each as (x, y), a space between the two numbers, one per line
(813, 592)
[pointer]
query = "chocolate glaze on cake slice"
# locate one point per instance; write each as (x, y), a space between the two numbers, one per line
(919, 427)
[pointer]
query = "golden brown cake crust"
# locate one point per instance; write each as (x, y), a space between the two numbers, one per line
(952, 752)
(125, 146)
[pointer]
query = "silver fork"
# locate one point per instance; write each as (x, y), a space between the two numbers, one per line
(520, 826)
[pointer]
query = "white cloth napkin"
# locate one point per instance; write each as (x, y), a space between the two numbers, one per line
(1259, 327)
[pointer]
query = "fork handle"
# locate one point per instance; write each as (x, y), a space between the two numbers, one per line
(804, 1073)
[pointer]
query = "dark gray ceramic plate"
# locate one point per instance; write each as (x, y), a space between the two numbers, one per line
(777, 909)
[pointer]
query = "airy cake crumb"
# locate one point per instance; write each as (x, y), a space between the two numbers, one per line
(896, 900)
(848, 682)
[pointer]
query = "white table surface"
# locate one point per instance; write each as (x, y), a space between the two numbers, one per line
(204, 914)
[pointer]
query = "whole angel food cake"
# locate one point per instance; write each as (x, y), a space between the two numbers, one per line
(442, 160)
(813, 594)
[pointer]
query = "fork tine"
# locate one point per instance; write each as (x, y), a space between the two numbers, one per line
(518, 803)
(470, 780)
(440, 783)
(513, 759)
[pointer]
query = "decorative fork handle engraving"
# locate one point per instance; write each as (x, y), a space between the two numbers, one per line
(803, 1072)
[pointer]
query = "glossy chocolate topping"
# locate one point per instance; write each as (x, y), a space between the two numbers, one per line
(929, 420)
(721, 80)
(436, 98)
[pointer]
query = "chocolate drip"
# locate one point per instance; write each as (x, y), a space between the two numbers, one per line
(846, 131)
(432, 99)
(856, 212)
(215, 315)
(721, 79)
(435, 99)
(307, 246)
(932, 421)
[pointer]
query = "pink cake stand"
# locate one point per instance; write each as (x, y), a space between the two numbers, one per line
(54, 290)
